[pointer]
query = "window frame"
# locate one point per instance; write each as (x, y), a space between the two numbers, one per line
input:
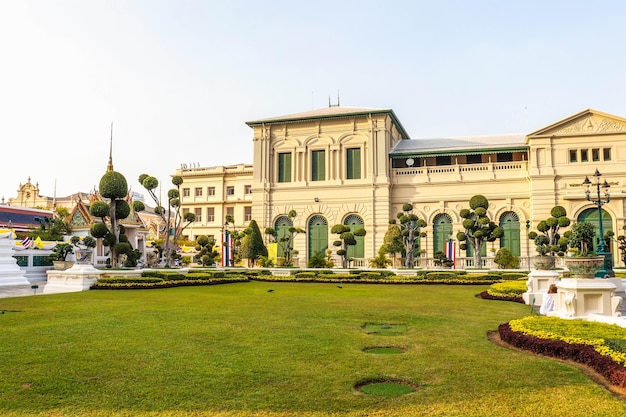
(230, 190)
(284, 167)
(353, 163)
(318, 165)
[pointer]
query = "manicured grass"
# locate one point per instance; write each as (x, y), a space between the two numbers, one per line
(239, 350)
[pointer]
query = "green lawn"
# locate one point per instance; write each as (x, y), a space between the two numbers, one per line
(239, 350)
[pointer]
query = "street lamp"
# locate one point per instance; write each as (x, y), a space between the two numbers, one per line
(528, 243)
(607, 268)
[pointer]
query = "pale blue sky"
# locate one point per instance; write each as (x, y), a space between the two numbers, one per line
(180, 78)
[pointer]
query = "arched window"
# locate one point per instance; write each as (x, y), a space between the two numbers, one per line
(318, 235)
(282, 225)
(591, 215)
(442, 231)
(355, 222)
(511, 238)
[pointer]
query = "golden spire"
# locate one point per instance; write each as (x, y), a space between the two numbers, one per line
(110, 164)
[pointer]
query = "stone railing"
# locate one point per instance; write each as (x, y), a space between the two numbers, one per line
(472, 172)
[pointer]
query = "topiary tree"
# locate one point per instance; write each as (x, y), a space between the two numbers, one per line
(478, 228)
(581, 238)
(550, 241)
(206, 254)
(286, 242)
(114, 188)
(346, 238)
(392, 242)
(180, 221)
(252, 246)
(505, 259)
(409, 225)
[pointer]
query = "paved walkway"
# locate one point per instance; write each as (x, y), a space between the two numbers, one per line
(20, 290)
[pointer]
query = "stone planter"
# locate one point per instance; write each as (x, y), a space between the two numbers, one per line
(544, 263)
(62, 265)
(83, 256)
(584, 267)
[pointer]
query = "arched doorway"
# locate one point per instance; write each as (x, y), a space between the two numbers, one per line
(511, 238)
(282, 225)
(442, 232)
(318, 235)
(355, 222)
(591, 215)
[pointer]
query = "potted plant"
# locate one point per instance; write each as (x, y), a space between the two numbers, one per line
(84, 248)
(583, 263)
(59, 256)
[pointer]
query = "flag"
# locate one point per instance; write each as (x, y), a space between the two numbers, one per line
(27, 242)
(226, 248)
(450, 251)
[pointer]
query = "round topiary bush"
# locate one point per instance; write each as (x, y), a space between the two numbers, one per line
(113, 185)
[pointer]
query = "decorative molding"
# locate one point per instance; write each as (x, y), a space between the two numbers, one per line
(591, 124)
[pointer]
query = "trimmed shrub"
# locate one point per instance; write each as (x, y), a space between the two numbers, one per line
(307, 274)
(372, 275)
(510, 276)
(440, 275)
(129, 280)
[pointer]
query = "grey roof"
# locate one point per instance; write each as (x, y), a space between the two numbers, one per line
(462, 144)
(329, 113)
(321, 113)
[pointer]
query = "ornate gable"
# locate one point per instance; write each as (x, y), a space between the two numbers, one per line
(588, 122)
(80, 216)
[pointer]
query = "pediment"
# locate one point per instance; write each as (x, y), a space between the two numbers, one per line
(588, 122)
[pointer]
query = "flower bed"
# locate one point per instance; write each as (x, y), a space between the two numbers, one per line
(597, 345)
(505, 291)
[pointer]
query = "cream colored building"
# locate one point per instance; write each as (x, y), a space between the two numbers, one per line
(212, 193)
(358, 166)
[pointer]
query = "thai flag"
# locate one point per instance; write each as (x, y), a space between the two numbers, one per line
(27, 242)
(450, 250)
(226, 247)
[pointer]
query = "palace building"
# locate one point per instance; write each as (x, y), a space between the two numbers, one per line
(358, 166)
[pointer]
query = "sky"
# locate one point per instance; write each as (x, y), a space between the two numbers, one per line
(178, 79)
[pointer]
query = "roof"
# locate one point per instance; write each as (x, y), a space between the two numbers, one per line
(332, 112)
(460, 145)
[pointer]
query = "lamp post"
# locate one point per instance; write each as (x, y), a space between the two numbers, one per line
(528, 244)
(603, 250)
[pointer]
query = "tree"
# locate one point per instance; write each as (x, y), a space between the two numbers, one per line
(621, 242)
(392, 242)
(409, 224)
(552, 241)
(181, 222)
(206, 254)
(441, 259)
(581, 238)
(478, 228)
(505, 259)
(114, 188)
(286, 242)
(252, 246)
(346, 238)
